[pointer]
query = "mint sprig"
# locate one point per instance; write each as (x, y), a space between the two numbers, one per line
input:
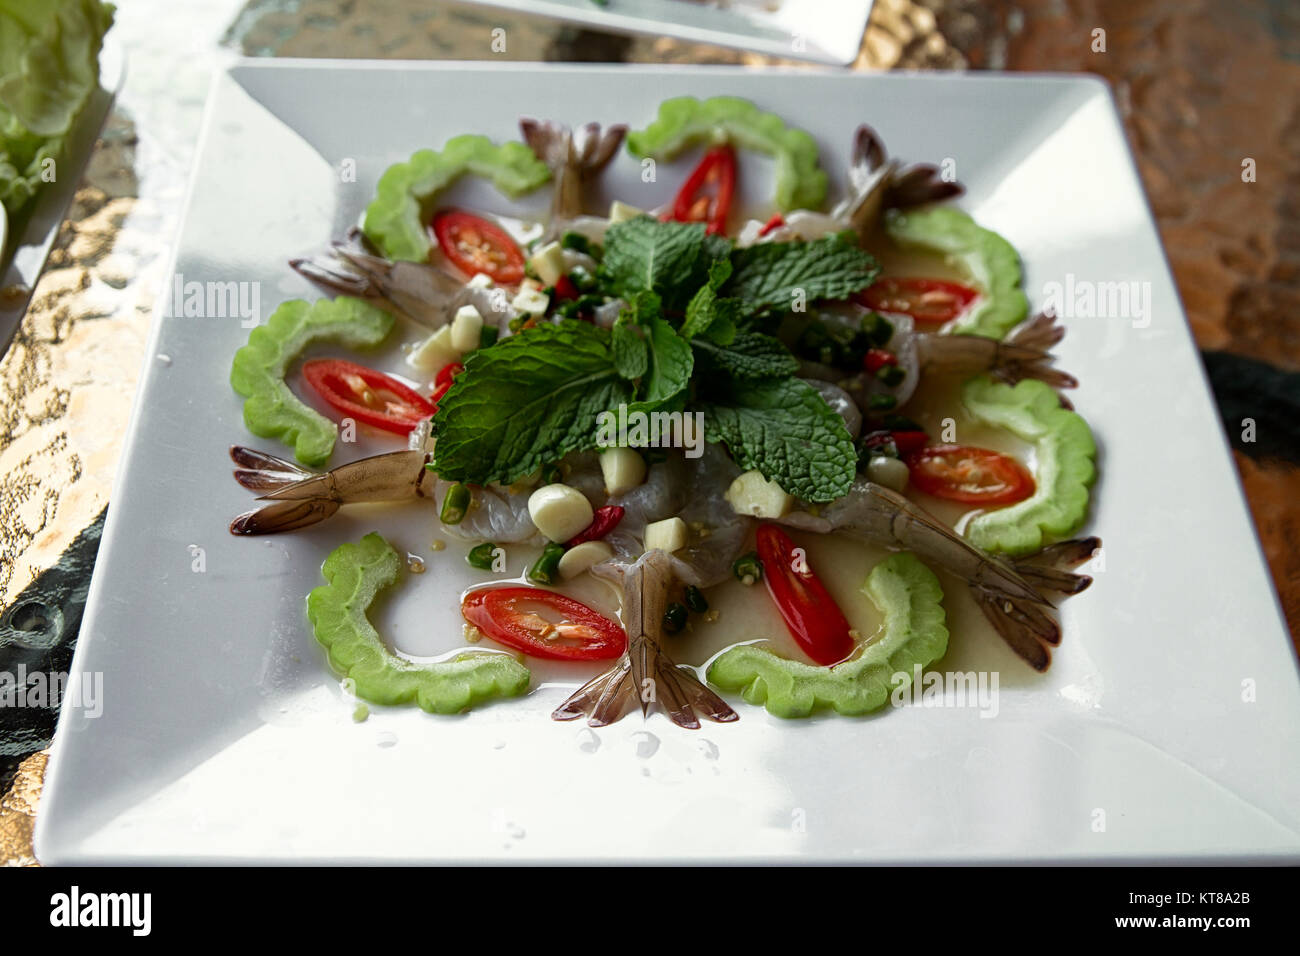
(685, 341)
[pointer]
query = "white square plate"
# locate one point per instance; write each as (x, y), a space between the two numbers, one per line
(1166, 729)
(824, 31)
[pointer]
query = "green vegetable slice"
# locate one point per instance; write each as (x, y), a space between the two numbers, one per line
(271, 409)
(394, 220)
(1064, 451)
(990, 261)
(913, 633)
(685, 121)
(356, 573)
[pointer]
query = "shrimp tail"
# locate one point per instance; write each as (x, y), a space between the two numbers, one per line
(1022, 622)
(877, 183)
(415, 290)
(1024, 353)
(645, 672)
(574, 157)
(1016, 620)
(1036, 336)
(301, 498)
(259, 471)
(1039, 568)
(284, 516)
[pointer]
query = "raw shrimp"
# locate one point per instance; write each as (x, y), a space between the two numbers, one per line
(417, 291)
(574, 159)
(1008, 593)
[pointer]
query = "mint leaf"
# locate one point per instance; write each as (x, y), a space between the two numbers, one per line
(707, 313)
(671, 365)
(770, 275)
(785, 429)
(750, 355)
(530, 399)
(670, 259)
(631, 354)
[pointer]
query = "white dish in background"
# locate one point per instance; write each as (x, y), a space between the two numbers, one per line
(21, 266)
(823, 31)
(224, 737)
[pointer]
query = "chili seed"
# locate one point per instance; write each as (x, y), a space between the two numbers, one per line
(674, 618)
(695, 599)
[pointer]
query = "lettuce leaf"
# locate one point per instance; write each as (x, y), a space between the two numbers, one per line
(394, 219)
(49, 66)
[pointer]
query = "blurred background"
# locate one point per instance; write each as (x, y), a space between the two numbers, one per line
(1202, 85)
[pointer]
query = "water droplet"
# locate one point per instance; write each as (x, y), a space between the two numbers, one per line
(708, 748)
(499, 745)
(646, 744)
(515, 831)
(415, 563)
(588, 742)
(164, 359)
(386, 739)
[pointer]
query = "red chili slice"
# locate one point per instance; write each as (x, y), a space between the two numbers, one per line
(909, 442)
(474, 245)
(447, 373)
(811, 615)
(970, 475)
(544, 624)
(706, 194)
(926, 300)
(604, 520)
(776, 222)
(876, 359)
(370, 397)
(565, 290)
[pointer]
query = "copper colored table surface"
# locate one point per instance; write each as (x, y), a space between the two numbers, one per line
(1204, 86)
